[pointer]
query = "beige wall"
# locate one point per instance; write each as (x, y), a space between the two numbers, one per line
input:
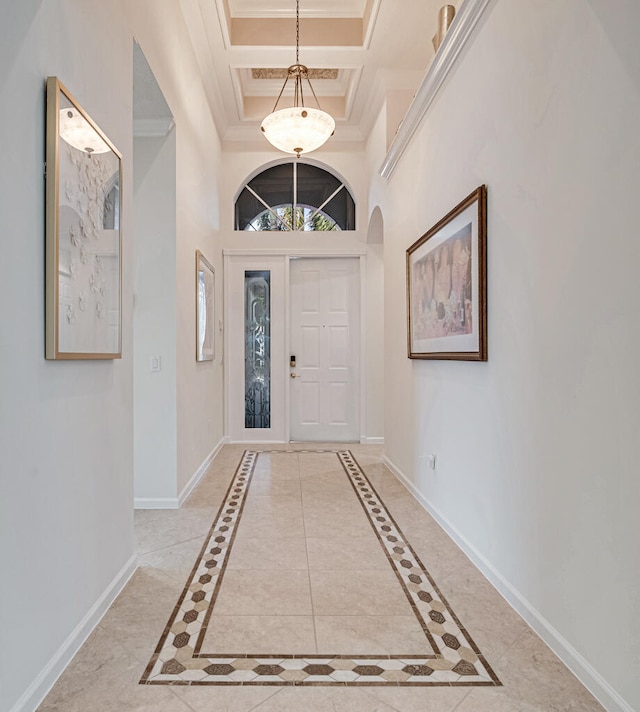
(162, 35)
(537, 449)
(155, 460)
(66, 429)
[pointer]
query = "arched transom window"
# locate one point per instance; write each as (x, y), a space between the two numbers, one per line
(295, 196)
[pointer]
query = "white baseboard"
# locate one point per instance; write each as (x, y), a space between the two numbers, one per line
(248, 443)
(155, 503)
(582, 669)
(177, 502)
(197, 476)
(371, 441)
(47, 677)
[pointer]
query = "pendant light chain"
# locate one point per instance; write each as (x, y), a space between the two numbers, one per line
(297, 31)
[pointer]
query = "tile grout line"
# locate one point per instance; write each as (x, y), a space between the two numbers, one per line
(459, 705)
(141, 555)
(306, 548)
(184, 702)
(526, 630)
(384, 702)
(266, 699)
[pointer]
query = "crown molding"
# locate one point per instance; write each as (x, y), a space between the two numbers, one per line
(196, 22)
(459, 34)
(373, 18)
(326, 9)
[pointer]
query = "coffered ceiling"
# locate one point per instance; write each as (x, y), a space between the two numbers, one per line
(359, 52)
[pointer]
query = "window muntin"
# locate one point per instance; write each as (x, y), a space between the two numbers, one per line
(280, 217)
(317, 199)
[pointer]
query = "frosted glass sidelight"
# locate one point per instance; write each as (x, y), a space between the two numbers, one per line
(257, 349)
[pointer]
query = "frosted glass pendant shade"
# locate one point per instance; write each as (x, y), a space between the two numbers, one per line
(78, 132)
(298, 129)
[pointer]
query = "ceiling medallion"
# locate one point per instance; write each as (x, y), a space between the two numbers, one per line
(276, 73)
(298, 129)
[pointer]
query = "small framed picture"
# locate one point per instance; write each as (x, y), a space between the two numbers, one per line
(447, 285)
(83, 234)
(205, 309)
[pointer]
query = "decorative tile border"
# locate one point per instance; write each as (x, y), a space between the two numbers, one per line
(177, 660)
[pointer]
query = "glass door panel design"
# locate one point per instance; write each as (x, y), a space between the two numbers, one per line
(257, 349)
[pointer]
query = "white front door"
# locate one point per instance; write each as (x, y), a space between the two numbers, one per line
(325, 349)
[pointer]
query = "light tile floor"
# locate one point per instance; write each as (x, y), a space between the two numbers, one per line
(300, 575)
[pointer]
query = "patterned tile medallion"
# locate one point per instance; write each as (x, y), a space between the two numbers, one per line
(178, 659)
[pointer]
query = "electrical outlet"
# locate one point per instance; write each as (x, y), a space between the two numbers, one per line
(155, 364)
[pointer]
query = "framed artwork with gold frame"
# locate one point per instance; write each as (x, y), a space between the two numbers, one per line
(83, 234)
(447, 285)
(205, 308)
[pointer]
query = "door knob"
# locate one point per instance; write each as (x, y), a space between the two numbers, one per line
(293, 375)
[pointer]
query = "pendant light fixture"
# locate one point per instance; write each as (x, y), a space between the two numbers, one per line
(298, 129)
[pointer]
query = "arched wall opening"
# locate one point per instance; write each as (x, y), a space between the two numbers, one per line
(239, 167)
(374, 326)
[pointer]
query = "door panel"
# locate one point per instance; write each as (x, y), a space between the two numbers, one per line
(310, 401)
(338, 347)
(325, 338)
(338, 404)
(310, 355)
(311, 292)
(339, 294)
